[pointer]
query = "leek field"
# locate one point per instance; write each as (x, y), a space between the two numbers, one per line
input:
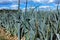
(32, 25)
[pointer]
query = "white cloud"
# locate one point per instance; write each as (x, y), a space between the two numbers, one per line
(15, 6)
(48, 8)
(4, 7)
(23, 9)
(43, 1)
(7, 0)
(36, 0)
(12, 6)
(29, 8)
(51, 1)
(57, 1)
(39, 1)
(47, 1)
(45, 6)
(4, 1)
(21, 1)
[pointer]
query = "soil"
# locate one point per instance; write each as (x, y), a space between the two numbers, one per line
(6, 36)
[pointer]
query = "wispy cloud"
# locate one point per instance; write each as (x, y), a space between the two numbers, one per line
(8, 0)
(14, 3)
(40, 1)
(14, 6)
(43, 1)
(44, 6)
(4, 7)
(8, 4)
(57, 1)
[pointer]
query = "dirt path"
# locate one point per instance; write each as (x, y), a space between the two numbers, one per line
(6, 36)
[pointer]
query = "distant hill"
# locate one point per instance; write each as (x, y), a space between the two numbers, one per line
(8, 10)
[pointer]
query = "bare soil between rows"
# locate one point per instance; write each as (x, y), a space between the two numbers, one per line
(6, 36)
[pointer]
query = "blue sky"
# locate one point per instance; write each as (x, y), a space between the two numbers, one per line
(13, 4)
